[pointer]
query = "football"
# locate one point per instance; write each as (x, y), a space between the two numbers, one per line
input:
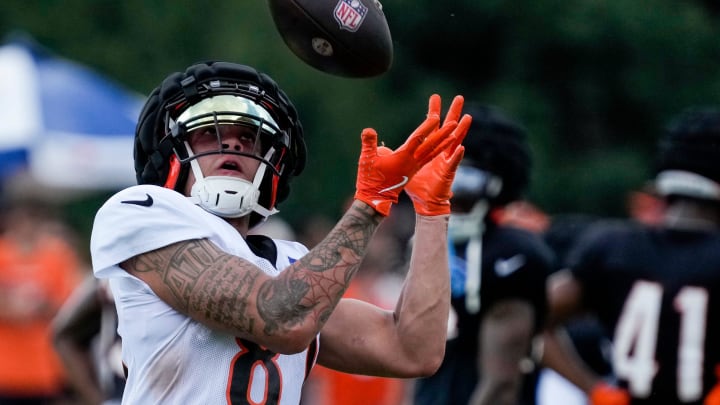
(348, 38)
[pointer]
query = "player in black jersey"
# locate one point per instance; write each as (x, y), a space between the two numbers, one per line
(656, 288)
(498, 272)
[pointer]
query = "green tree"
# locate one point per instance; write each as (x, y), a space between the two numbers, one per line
(593, 81)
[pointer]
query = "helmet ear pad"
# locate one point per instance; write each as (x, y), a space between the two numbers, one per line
(151, 155)
(145, 140)
(154, 148)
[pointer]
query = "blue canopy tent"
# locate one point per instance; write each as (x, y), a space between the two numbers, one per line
(62, 123)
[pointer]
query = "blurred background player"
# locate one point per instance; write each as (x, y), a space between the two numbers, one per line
(85, 337)
(654, 287)
(585, 334)
(498, 272)
(39, 269)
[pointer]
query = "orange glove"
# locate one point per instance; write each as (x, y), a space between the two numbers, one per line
(605, 394)
(382, 172)
(713, 397)
(430, 189)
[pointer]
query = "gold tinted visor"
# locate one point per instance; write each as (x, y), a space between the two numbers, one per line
(228, 109)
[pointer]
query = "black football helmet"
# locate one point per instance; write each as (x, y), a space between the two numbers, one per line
(688, 155)
(497, 161)
(220, 93)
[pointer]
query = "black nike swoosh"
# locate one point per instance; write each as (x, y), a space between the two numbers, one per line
(145, 203)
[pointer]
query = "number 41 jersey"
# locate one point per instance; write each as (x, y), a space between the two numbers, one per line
(657, 291)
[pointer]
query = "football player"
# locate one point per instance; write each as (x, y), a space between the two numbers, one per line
(85, 336)
(655, 288)
(211, 314)
(498, 272)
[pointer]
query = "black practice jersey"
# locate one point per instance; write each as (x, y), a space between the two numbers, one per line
(515, 264)
(658, 293)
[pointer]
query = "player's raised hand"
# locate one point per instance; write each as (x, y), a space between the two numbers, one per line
(430, 189)
(382, 172)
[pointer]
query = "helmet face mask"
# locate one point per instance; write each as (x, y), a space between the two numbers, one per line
(206, 118)
(228, 109)
(472, 185)
(200, 102)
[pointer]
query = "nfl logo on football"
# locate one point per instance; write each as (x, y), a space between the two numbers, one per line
(350, 14)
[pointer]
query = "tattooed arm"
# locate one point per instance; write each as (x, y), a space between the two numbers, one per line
(226, 292)
(362, 338)
(408, 342)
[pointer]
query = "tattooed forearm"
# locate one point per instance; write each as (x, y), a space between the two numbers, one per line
(223, 294)
(197, 278)
(314, 284)
(202, 279)
(346, 243)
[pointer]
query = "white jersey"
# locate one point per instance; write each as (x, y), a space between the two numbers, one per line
(172, 359)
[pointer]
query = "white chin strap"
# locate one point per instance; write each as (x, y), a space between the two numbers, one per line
(226, 196)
